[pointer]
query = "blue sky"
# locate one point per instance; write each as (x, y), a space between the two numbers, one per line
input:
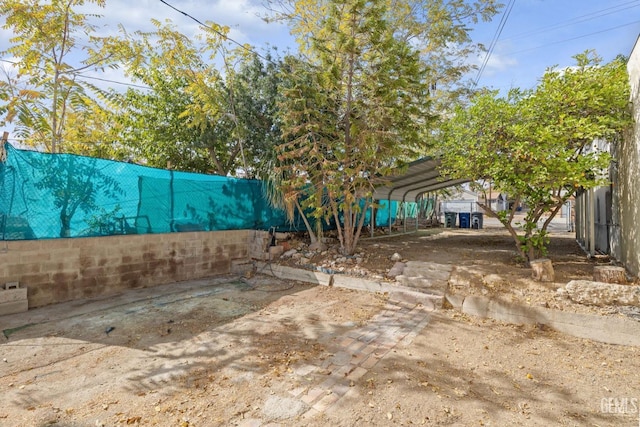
(537, 34)
(543, 33)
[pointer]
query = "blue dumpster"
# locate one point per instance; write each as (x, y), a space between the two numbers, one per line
(476, 220)
(465, 220)
(450, 219)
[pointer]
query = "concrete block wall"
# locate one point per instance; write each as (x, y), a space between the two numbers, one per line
(13, 299)
(67, 269)
(259, 245)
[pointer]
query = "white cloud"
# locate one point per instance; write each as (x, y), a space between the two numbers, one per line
(241, 16)
(498, 63)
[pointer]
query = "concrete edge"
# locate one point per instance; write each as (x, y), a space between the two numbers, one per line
(395, 292)
(617, 331)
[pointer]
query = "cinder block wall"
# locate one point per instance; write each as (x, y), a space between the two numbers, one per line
(68, 269)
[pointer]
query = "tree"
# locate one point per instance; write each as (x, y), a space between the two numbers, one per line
(439, 29)
(157, 123)
(53, 45)
(538, 145)
(250, 98)
(349, 116)
(192, 115)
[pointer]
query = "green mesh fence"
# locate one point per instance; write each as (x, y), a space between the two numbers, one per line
(46, 196)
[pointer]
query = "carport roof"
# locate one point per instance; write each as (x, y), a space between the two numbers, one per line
(421, 176)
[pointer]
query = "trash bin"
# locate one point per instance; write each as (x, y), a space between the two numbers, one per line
(476, 220)
(465, 220)
(450, 219)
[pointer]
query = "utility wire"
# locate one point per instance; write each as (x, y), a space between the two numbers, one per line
(575, 38)
(578, 19)
(496, 36)
(82, 76)
(224, 36)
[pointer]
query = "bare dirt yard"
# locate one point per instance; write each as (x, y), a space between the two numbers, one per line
(259, 351)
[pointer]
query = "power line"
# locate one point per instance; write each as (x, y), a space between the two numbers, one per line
(224, 36)
(496, 36)
(578, 19)
(82, 76)
(575, 38)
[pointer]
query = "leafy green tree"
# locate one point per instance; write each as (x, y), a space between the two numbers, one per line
(350, 115)
(539, 146)
(193, 116)
(439, 29)
(54, 44)
(163, 124)
(250, 99)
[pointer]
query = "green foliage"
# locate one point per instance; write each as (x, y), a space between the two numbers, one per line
(540, 146)
(438, 29)
(104, 222)
(349, 115)
(194, 117)
(47, 97)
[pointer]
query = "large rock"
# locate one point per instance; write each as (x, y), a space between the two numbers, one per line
(396, 270)
(600, 293)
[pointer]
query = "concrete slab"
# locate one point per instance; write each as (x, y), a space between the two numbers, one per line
(619, 331)
(427, 277)
(284, 272)
(395, 292)
(13, 294)
(13, 307)
(455, 301)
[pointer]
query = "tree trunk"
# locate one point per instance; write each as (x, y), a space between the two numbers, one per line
(609, 274)
(542, 270)
(312, 235)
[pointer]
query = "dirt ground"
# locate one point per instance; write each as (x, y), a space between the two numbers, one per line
(259, 351)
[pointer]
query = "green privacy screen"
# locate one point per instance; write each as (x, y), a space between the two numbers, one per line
(45, 196)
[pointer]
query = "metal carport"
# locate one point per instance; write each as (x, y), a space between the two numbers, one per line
(420, 177)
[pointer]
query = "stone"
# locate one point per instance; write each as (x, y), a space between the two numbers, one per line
(282, 236)
(493, 280)
(289, 253)
(396, 270)
(318, 246)
(396, 257)
(275, 251)
(609, 274)
(542, 270)
(601, 293)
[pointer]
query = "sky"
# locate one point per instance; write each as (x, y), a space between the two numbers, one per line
(533, 36)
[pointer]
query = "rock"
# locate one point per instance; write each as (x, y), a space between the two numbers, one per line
(601, 293)
(493, 280)
(318, 246)
(303, 261)
(275, 251)
(542, 270)
(283, 236)
(289, 253)
(396, 257)
(396, 270)
(609, 274)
